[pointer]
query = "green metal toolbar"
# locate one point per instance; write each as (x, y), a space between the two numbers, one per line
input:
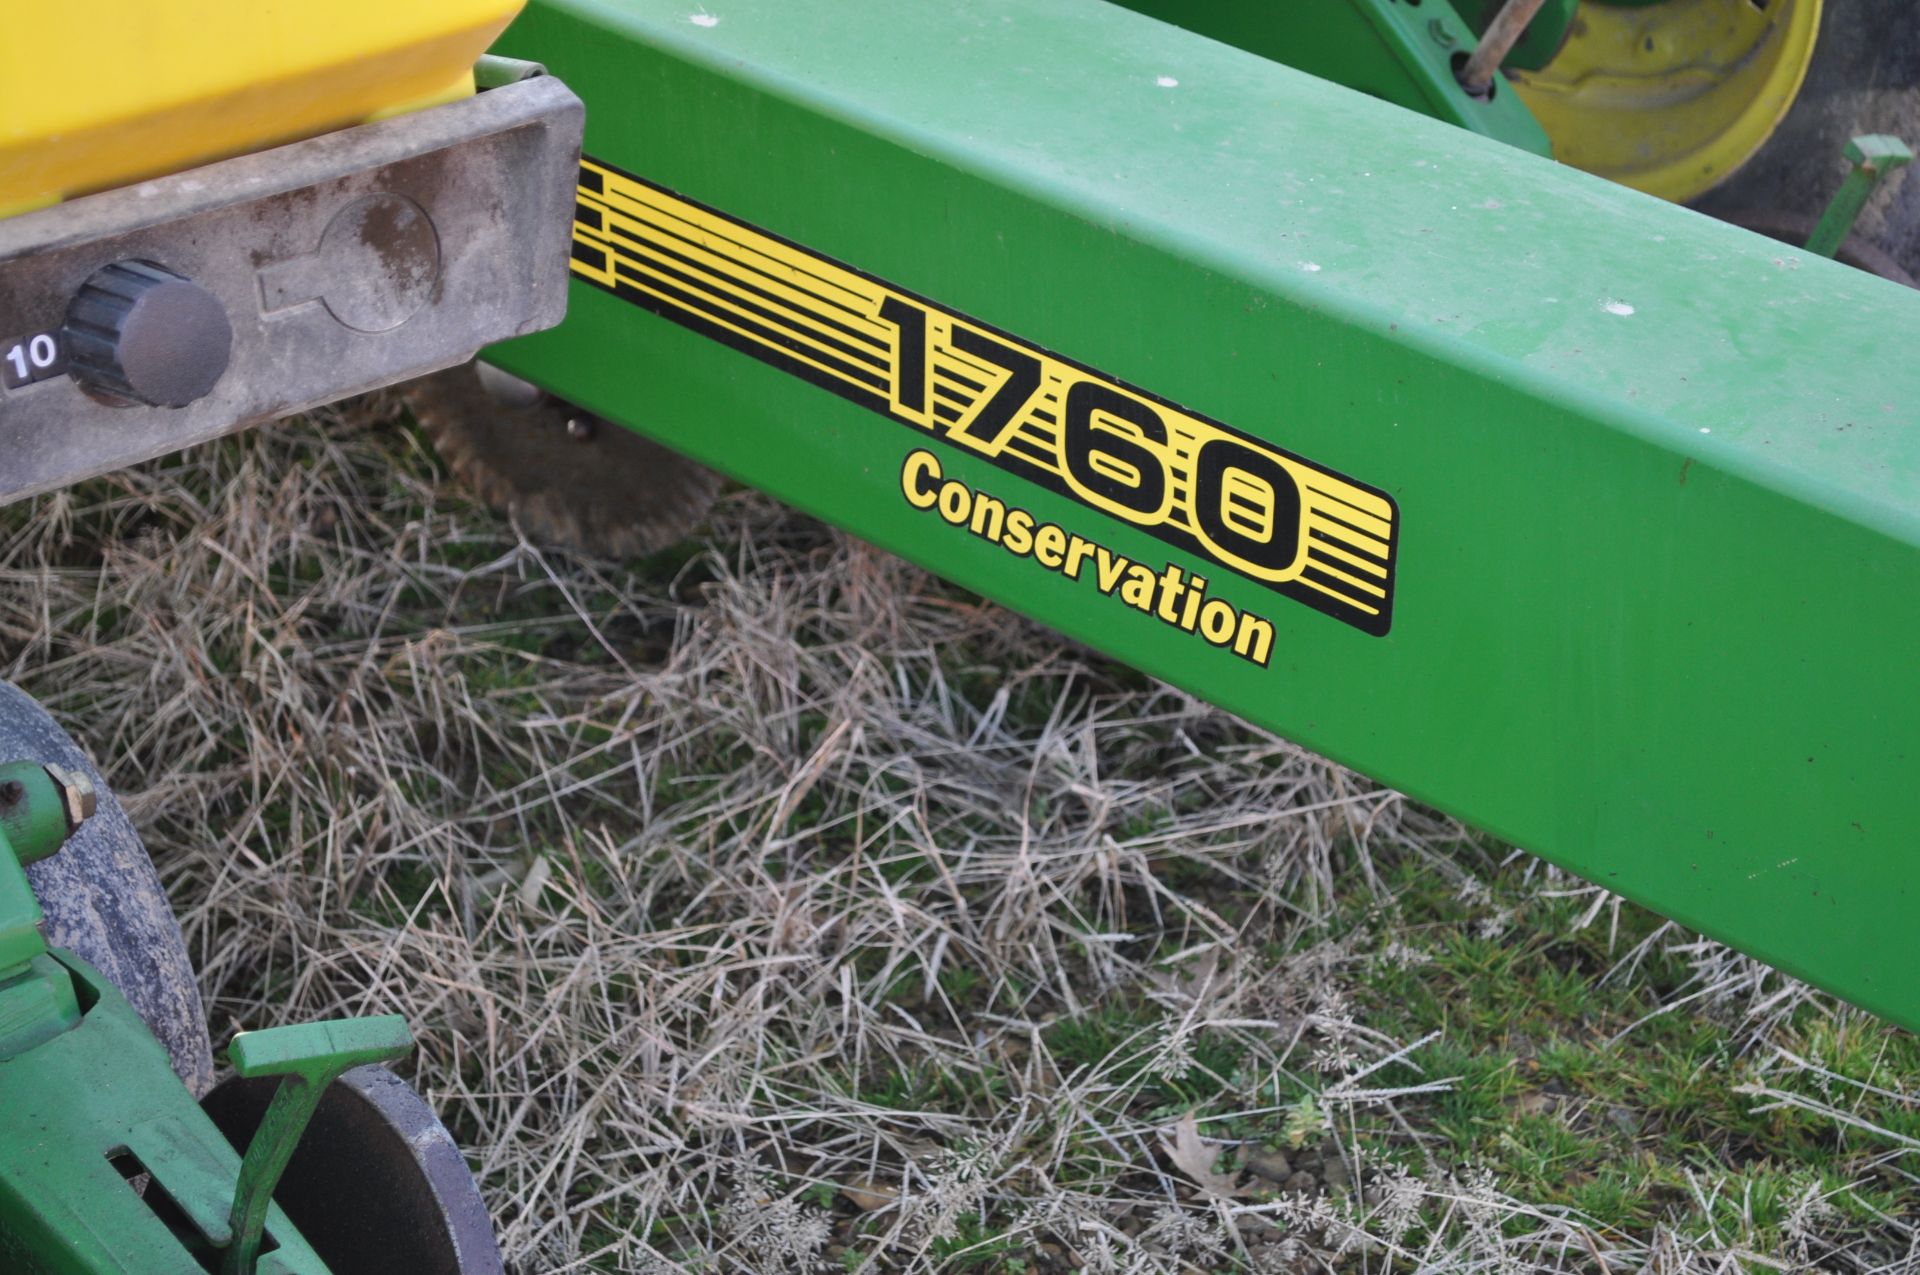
(1574, 513)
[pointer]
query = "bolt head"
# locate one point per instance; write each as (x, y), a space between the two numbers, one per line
(78, 794)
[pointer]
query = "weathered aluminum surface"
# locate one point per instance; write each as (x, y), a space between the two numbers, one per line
(344, 263)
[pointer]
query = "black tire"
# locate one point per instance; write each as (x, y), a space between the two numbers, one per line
(1864, 78)
(103, 900)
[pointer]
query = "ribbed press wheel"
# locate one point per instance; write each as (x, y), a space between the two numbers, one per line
(568, 477)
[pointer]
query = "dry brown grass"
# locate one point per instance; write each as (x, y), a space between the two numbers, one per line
(774, 904)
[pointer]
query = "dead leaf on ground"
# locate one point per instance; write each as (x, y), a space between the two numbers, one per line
(870, 1195)
(1192, 1156)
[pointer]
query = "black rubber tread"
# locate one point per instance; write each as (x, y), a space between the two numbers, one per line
(613, 493)
(1864, 78)
(103, 900)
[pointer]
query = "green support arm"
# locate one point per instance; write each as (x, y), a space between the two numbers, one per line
(306, 1057)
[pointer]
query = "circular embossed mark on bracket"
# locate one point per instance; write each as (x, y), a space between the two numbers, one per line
(375, 268)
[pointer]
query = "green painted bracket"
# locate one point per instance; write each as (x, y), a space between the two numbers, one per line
(307, 1057)
(86, 1109)
(90, 1098)
(33, 824)
(1875, 157)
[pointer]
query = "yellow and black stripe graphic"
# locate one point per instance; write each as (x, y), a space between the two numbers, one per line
(1236, 500)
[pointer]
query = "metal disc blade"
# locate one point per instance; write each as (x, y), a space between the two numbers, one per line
(377, 1183)
(569, 477)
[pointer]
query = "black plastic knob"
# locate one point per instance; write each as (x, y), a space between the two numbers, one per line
(140, 333)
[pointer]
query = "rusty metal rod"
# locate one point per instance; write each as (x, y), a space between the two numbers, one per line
(1502, 34)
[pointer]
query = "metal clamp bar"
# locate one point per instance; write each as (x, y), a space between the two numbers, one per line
(315, 270)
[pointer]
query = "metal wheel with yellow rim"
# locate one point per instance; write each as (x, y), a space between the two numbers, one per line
(1864, 78)
(1672, 96)
(1742, 108)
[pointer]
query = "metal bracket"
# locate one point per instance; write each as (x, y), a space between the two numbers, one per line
(34, 823)
(342, 263)
(1874, 157)
(307, 1057)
